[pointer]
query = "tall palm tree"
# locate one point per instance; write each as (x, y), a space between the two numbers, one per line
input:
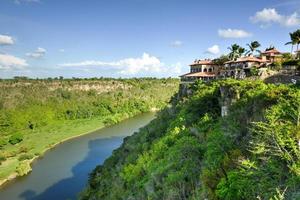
(253, 47)
(234, 51)
(293, 41)
(297, 38)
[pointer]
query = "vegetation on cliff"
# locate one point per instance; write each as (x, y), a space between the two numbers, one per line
(191, 152)
(37, 114)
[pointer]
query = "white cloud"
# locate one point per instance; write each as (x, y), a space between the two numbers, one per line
(215, 49)
(61, 50)
(233, 33)
(269, 16)
(38, 53)
(176, 43)
(11, 62)
(26, 1)
(176, 69)
(6, 40)
(127, 66)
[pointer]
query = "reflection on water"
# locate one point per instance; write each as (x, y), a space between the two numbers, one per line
(63, 172)
(64, 189)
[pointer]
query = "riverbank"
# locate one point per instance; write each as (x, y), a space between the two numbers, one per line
(13, 167)
(35, 115)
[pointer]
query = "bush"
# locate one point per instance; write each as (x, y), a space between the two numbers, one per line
(3, 142)
(110, 121)
(276, 65)
(25, 157)
(291, 63)
(254, 71)
(15, 138)
(23, 168)
(23, 149)
(2, 158)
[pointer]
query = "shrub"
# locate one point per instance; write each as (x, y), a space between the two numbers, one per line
(23, 168)
(254, 71)
(276, 65)
(291, 63)
(25, 157)
(15, 138)
(110, 121)
(2, 158)
(23, 149)
(3, 142)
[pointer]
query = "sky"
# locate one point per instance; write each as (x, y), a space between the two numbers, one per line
(133, 38)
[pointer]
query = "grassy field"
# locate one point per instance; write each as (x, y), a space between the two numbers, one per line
(36, 115)
(36, 142)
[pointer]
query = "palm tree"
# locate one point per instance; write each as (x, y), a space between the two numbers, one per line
(241, 51)
(297, 38)
(234, 51)
(293, 41)
(253, 47)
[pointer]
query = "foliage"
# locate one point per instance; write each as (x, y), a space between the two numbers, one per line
(3, 142)
(23, 168)
(2, 158)
(291, 63)
(221, 60)
(15, 138)
(295, 39)
(253, 47)
(277, 65)
(25, 157)
(40, 113)
(236, 51)
(287, 56)
(190, 152)
(254, 71)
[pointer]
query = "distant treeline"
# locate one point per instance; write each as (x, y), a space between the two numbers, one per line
(76, 78)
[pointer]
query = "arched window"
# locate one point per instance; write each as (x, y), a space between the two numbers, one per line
(210, 70)
(205, 70)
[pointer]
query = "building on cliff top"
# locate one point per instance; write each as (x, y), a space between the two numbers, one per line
(272, 55)
(201, 70)
(239, 68)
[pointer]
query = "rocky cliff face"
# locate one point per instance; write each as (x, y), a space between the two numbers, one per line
(228, 96)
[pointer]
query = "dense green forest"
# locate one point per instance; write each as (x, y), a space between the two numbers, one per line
(191, 152)
(37, 114)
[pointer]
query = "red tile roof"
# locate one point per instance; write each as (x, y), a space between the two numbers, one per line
(274, 51)
(199, 74)
(246, 59)
(202, 62)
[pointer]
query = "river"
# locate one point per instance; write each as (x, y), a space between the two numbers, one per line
(63, 171)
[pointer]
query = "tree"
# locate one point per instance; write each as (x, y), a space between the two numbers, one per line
(293, 41)
(235, 51)
(297, 38)
(253, 47)
(221, 60)
(241, 51)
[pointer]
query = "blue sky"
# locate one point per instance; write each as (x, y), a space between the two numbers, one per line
(133, 38)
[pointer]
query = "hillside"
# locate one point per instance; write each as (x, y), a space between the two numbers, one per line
(35, 115)
(191, 152)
